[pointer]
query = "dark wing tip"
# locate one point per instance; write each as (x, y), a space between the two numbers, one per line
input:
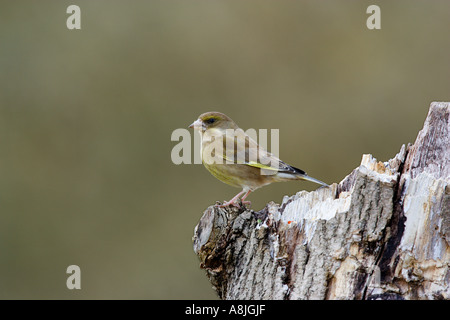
(297, 170)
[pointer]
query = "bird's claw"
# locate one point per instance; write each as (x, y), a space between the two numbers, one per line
(239, 204)
(246, 203)
(227, 204)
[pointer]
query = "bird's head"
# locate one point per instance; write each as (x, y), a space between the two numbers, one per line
(213, 120)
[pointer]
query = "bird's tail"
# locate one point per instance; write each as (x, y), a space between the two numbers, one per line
(298, 175)
(308, 178)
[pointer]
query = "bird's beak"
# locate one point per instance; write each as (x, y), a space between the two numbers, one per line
(196, 124)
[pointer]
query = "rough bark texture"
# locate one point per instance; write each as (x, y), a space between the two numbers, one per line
(383, 232)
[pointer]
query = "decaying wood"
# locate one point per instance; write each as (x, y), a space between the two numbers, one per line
(383, 232)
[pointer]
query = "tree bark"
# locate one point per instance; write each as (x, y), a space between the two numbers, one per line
(383, 232)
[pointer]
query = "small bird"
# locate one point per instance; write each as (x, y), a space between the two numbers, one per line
(234, 158)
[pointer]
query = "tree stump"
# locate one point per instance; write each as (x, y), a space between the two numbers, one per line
(383, 232)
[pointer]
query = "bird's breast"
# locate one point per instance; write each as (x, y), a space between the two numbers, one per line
(239, 175)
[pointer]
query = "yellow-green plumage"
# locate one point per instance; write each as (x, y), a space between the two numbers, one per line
(238, 175)
(235, 159)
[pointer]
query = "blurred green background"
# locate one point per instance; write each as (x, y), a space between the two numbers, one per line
(86, 119)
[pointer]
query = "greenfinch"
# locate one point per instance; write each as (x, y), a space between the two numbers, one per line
(234, 158)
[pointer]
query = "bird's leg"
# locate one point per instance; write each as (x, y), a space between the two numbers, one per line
(232, 201)
(245, 196)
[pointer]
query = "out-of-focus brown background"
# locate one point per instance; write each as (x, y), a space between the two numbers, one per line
(86, 119)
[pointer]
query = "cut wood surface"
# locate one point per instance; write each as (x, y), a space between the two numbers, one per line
(383, 232)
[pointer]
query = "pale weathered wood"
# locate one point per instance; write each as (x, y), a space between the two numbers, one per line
(383, 232)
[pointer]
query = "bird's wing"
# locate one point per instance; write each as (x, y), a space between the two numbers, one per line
(240, 148)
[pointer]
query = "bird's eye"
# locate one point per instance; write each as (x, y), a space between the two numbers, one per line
(210, 120)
